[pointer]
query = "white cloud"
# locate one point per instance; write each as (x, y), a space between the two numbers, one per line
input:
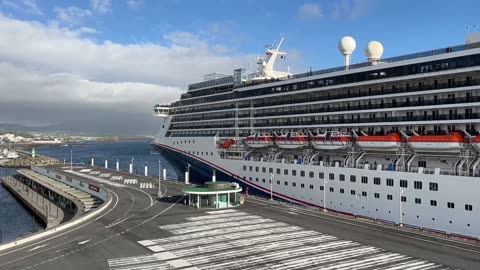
(134, 4)
(100, 6)
(352, 9)
(309, 11)
(72, 15)
(27, 6)
(57, 74)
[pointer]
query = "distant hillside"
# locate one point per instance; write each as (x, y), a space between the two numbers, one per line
(131, 129)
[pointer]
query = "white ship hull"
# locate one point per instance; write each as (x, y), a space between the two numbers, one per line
(441, 218)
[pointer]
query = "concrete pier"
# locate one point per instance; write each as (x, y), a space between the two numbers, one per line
(49, 213)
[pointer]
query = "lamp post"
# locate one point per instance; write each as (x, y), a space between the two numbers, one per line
(400, 223)
(325, 195)
(159, 179)
(271, 187)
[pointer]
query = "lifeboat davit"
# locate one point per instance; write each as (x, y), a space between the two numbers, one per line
(476, 142)
(437, 143)
(291, 140)
(390, 142)
(259, 140)
(331, 140)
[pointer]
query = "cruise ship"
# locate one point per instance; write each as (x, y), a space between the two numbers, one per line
(392, 139)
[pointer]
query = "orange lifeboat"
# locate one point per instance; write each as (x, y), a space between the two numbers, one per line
(259, 140)
(437, 143)
(291, 140)
(330, 140)
(390, 142)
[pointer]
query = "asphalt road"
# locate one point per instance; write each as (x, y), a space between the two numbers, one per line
(137, 231)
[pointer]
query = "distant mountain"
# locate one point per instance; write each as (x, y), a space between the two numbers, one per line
(89, 128)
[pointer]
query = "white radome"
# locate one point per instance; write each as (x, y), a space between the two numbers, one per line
(347, 45)
(374, 50)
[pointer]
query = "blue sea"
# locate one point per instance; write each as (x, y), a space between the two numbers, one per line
(16, 220)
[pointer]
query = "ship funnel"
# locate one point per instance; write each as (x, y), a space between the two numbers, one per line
(374, 51)
(346, 46)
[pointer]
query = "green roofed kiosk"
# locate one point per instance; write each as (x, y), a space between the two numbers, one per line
(214, 195)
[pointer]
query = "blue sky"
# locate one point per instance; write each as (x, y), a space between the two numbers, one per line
(112, 60)
(312, 28)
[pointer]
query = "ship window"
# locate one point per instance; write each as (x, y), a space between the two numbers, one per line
(311, 186)
(376, 180)
(321, 175)
(285, 172)
(294, 184)
(352, 192)
(302, 173)
(331, 176)
(433, 186)
(404, 199)
(390, 182)
(364, 194)
(389, 197)
(264, 169)
(433, 203)
(250, 168)
(417, 185)
(342, 190)
(331, 189)
(418, 200)
(311, 174)
(270, 170)
(256, 169)
(364, 180)
(353, 178)
(256, 179)
(403, 183)
(278, 171)
(278, 182)
(244, 167)
(250, 178)
(450, 205)
(321, 187)
(211, 153)
(468, 207)
(263, 180)
(285, 183)
(294, 172)
(302, 185)
(376, 195)
(341, 177)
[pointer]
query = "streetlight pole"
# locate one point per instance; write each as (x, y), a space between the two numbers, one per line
(325, 195)
(401, 212)
(159, 179)
(271, 187)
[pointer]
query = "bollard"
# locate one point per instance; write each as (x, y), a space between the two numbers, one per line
(106, 164)
(214, 177)
(146, 169)
(93, 162)
(130, 169)
(164, 172)
(118, 166)
(187, 180)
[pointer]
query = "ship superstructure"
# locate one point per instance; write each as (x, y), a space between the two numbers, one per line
(394, 139)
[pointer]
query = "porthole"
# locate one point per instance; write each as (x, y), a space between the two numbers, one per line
(433, 219)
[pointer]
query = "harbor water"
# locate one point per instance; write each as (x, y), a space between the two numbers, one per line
(17, 220)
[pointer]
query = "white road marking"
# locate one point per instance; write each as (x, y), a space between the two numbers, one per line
(234, 239)
(37, 247)
(84, 242)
